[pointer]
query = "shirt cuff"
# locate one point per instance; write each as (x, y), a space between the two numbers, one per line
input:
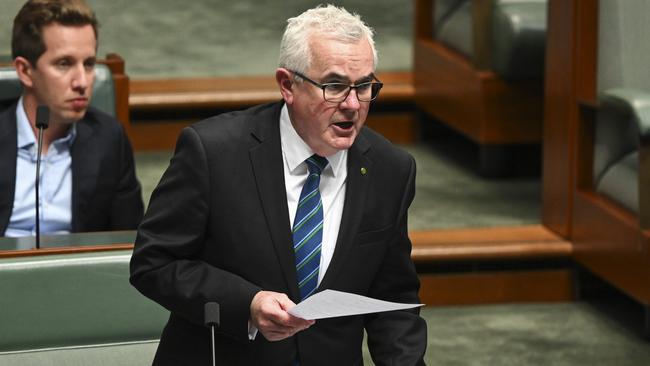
(252, 331)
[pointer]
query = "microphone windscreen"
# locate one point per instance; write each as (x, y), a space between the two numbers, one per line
(42, 116)
(211, 314)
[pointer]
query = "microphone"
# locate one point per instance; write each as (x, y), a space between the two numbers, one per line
(211, 319)
(42, 122)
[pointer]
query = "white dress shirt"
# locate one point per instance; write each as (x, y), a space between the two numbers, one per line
(332, 185)
(55, 206)
(332, 189)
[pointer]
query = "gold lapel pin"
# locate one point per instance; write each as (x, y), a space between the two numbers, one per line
(364, 171)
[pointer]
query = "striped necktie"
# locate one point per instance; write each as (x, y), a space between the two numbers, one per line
(308, 228)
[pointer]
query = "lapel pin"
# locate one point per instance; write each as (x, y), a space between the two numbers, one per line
(364, 171)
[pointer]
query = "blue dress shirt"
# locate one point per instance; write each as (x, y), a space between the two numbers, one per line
(55, 204)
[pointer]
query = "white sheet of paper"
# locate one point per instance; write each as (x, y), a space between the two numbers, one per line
(331, 304)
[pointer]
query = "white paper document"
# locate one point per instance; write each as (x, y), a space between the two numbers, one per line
(331, 304)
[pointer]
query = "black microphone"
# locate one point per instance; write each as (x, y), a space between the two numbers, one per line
(211, 319)
(42, 122)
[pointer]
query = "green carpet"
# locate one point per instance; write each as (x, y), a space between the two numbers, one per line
(536, 334)
(171, 38)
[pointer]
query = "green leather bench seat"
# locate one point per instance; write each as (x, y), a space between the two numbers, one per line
(75, 309)
(519, 39)
(103, 90)
(517, 34)
(623, 121)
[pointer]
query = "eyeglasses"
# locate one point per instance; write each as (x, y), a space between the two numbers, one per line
(338, 92)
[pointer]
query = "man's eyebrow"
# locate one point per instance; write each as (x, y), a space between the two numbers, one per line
(343, 78)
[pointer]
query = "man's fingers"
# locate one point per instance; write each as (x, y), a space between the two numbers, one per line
(269, 314)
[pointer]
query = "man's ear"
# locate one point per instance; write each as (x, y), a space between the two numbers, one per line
(285, 82)
(25, 71)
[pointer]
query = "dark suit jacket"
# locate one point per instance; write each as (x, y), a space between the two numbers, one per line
(105, 192)
(217, 229)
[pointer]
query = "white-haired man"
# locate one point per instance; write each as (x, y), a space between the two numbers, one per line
(260, 209)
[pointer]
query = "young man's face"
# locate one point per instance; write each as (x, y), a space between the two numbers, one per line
(63, 76)
(325, 126)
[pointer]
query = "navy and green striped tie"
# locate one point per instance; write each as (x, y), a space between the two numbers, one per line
(308, 228)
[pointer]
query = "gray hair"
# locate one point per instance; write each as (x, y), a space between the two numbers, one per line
(330, 21)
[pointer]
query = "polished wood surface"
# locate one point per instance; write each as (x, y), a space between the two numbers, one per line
(522, 242)
(559, 112)
(67, 243)
(65, 250)
(429, 248)
(237, 92)
(496, 287)
(608, 241)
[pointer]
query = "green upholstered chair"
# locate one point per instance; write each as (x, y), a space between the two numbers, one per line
(75, 309)
(622, 135)
(479, 68)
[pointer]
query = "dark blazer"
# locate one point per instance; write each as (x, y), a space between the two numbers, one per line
(105, 192)
(217, 229)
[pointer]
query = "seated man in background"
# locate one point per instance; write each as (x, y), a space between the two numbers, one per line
(88, 180)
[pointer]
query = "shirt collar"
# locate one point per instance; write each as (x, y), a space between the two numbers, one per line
(26, 136)
(296, 151)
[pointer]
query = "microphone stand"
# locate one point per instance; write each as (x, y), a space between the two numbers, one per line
(42, 122)
(38, 173)
(211, 318)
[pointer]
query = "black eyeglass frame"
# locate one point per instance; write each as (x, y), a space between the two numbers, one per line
(323, 86)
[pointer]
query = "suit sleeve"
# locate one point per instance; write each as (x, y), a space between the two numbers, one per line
(126, 207)
(167, 265)
(398, 337)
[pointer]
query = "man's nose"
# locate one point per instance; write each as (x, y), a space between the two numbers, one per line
(81, 78)
(351, 101)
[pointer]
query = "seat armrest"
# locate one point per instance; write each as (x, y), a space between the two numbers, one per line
(633, 102)
(623, 122)
(634, 106)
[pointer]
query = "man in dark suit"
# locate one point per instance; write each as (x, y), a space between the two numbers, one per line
(247, 192)
(88, 178)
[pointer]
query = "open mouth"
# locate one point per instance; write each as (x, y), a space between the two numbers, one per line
(344, 125)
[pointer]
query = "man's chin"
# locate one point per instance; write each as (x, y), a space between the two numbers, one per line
(343, 143)
(73, 116)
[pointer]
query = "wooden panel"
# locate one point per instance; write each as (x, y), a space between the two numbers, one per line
(160, 135)
(496, 287)
(608, 241)
(524, 242)
(238, 92)
(447, 88)
(243, 92)
(476, 103)
(398, 127)
(65, 250)
(559, 110)
(423, 22)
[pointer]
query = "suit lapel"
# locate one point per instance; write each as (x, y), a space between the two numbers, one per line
(8, 155)
(85, 170)
(355, 197)
(267, 162)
